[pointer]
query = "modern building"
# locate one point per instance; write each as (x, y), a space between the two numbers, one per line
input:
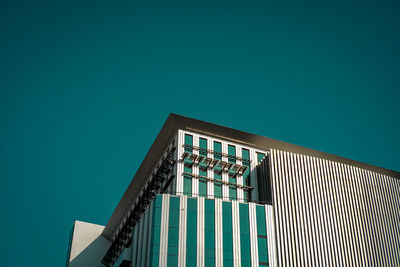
(206, 195)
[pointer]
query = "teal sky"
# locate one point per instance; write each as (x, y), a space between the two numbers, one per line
(86, 86)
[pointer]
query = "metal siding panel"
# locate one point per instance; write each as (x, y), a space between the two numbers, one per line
(306, 211)
(281, 224)
(164, 230)
(333, 213)
(355, 218)
(326, 213)
(310, 213)
(275, 179)
(253, 173)
(390, 213)
(396, 207)
(339, 214)
(322, 235)
(236, 234)
(179, 176)
(300, 210)
(290, 232)
(295, 209)
(200, 232)
(210, 185)
(195, 169)
(344, 220)
(372, 210)
(269, 213)
(396, 218)
(253, 235)
(315, 214)
(284, 209)
(384, 221)
(366, 216)
(378, 220)
(225, 177)
(349, 214)
(175, 171)
(360, 224)
(350, 219)
(389, 218)
(218, 234)
(182, 231)
(240, 192)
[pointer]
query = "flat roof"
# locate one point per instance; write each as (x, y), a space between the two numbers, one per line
(176, 122)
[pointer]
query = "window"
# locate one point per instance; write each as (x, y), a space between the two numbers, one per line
(209, 235)
(260, 157)
(232, 173)
(262, 236)
(173, 232)
(218, 171)
(227, 237)
(191, 235)
(155, 240)
(244, 235)
(187, 179)
(217, 185)
(203, 168)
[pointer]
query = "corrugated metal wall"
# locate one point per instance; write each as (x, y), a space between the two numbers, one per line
(332, 214)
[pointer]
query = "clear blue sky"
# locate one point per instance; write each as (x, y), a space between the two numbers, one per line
(86, 86)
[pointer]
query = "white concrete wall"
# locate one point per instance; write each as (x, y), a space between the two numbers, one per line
(88, 246)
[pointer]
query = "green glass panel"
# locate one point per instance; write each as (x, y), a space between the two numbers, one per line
(232, 177)
(245, 249)
(262, 235)
(227, 237)
(191, 237)
(262, 250)
(217, 187)
(218, 191)
(189, 143)
(203, 146)
(156, 231)
(187, 169)
(203, 183)
(173, 232)
(209, 235)
(261, 224)
(187, 185)
(187, 181)
(203, 152)
(232, 193)
(231, 151)
(245, 154)
(260, 156)
(217, 150)
(203, 189)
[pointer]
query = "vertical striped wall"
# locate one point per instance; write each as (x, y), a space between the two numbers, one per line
(331, 214)
(184, 231)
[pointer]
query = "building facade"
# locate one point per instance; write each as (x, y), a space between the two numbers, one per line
(206, 195)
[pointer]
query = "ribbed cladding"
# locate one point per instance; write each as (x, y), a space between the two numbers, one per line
(264, 181)
(332, 214)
